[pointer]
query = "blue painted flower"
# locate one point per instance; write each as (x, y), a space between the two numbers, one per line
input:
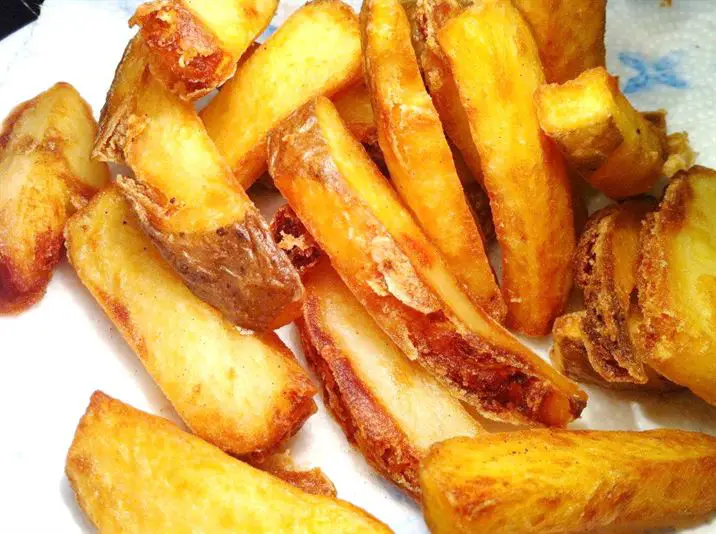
(652, 73)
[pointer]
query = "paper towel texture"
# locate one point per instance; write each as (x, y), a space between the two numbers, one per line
(55, 355)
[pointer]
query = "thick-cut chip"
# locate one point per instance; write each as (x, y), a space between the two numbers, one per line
(194, 45)
(495, 64)
(135, 472)
(316, 51)
(199, 218)
(606, 265)
(399, 276)
(677, 283)
(569, 35)
(568, 481)
(615, 148)
(389, 407)
(569, 354)
(244, 393)
(45, 175)
(313, 481)
(417, 154)
(426, 20)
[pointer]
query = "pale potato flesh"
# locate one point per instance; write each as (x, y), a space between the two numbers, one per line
(495, 64)
(136, 473)
(417, 154)
(316, 51)
(390, 407)
(194, 46)
(244, 393)
(556, 481)
(677, 283)
(45, 175)
(397, 274)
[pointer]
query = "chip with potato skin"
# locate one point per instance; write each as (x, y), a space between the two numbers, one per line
(243, 392)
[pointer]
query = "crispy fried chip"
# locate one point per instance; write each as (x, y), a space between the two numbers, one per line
(188, 202)
(495, 64)
(135, 472)
(45, 174)
(568, 481)
(390, 408)
(244, 393)
(615, 148)
(677, 283)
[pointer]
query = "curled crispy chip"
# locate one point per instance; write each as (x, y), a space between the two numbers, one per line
(569, 35)
(495, 64)
(417, 154)
(188, 202)
(612, 145)
(551, 480)
(569, 354)
(193, 45)
(606, 264)
(398, 275)
(135, 472)
(45, 175)
(316, 51)
(677, 283)
(390, 408)
(242, 392)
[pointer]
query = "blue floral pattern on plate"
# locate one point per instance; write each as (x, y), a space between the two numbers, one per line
(650, 73)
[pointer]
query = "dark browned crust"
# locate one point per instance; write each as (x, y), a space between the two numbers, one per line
(238, 269)
(569, 354)
(364, 421)
(313, 481)
(292, 237)
(614, 355)
(495, 379)
(184, 54)
(479, 204)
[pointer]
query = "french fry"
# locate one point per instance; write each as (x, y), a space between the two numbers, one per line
(390, 408)
(677, 283)
(194, 45)
(393, 270)
(427, 19)
(494, 62)
(45, 175)
(569, 35)
(417, 154)
(293, 238)
(316, 51)
(606, 264)
(615, 148)
(313, 481)
(570, 355)
(202, 222)
(135, 472)
(244, 393)
(568, 481)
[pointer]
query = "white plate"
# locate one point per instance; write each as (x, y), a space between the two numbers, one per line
(53, 356)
